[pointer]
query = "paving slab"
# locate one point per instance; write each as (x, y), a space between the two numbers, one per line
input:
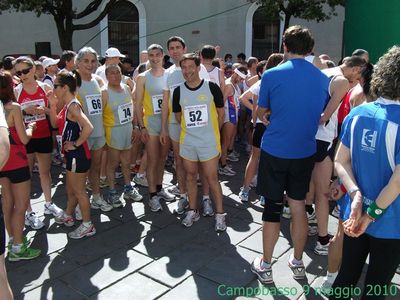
(231, 268)
(254, 243)
(87, 250)
(159, 243)
(105, 271)
(180, 263)
(237, 231)
(195, 287)
(135, 286)
(51, 290)
(37, 272)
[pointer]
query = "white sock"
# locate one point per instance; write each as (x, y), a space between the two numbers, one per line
(296, 261)
(87, 224)
(16, 248)
(331, 276)
(264, 264)
(205, 197)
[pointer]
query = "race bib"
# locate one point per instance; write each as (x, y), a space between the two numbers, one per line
(34, 103)
(125, 113)
(157, 102)
(94, 104)
(196, 116)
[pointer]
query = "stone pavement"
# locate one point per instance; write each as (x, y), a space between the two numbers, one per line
(138, 254)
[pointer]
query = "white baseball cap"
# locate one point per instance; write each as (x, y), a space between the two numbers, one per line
(113, 52)
(49, 62)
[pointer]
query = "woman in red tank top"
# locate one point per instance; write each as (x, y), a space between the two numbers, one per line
(31, 95)
(15, 176)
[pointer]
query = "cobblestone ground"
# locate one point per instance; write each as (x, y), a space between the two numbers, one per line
(137, 254)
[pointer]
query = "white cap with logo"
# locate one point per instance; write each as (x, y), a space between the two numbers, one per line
(113, 52)
(49, 62)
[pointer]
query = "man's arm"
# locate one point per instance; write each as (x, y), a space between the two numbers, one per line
(165, 111)
(339, 88)
(139, 98)
(219, 102)
(176, 106)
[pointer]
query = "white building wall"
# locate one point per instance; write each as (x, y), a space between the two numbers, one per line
(227, 29)
(328, 35)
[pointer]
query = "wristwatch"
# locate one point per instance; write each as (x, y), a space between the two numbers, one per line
(74, 144)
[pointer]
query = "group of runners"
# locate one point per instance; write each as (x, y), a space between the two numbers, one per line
(288, 110)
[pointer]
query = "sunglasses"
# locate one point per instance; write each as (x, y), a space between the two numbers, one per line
(24, 71)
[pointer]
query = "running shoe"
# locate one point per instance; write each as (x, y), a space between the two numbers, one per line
(78, 213)
(235, 153)
(329, 279)
(56, 159)
(135, 169)
(65, 219)
(33, 221)
(262, 270)
(168, 197)
(231, 157)
(99, 203)
(88, 185)
(132, 195)
(118, 175)
(141, 180)
(52, 209)
(26, 253)
(336, 212)
(103, 182)
(183, 203)
(220, 222)
(155, 204)
(248, 148)
(82, 231)
(207, 208)
(321, 249)
(114, 199)
(174, 190)
(191, 217)
(35, 168)
(286, 212)
(312, 219)
(244, 195)
(227, 170)
(298, 269)
(25, 242)
(64, 169)
(312, 230)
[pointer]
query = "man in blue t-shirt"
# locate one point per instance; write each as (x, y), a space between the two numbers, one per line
(295, 93)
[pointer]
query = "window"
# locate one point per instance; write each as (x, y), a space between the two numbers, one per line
(123, 29)
(265, 34)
